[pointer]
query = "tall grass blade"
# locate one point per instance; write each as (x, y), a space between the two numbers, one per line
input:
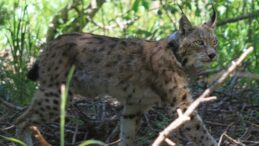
(64, 93)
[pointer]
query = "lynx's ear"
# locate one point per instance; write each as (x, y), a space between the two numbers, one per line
(185, 25)
(212, 22)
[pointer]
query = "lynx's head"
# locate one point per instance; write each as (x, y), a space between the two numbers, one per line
(194, 46)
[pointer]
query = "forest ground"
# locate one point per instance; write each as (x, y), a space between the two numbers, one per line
(231, 118)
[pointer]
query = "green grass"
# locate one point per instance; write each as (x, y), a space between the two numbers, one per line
(90, 142)
(64, 93)
(17, 141)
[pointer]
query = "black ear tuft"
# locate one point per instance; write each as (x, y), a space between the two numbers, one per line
(212, 22)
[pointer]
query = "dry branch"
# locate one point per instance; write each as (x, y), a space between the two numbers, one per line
(39, 136)
(122, 25)
(247, 75)
(10, 105)
(239, 74)
(239, 18)
(184, 117)
(227, 140)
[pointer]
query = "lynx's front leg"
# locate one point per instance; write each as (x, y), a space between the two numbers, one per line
(178, 96)
(198, 133)
(194, 129)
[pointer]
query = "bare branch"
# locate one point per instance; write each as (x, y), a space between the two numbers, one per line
(169, 142)
(42, 141)
(239, 18)
(209, 98)
(247, 75)
(10, 105)
(227, 140)
(122, 25)
(183, 117)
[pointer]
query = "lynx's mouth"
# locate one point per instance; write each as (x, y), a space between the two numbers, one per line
(202, 64)
(207, 61)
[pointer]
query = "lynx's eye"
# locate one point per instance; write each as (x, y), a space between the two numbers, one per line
(199, 42)
(215, 42)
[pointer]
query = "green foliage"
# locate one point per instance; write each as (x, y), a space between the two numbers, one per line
(140, 3)
(4, 13)
(22, 48)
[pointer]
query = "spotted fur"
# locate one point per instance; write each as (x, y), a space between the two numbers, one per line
(139, 73)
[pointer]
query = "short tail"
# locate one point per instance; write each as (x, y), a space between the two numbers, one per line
(33, 73)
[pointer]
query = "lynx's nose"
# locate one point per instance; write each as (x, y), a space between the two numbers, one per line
(212, 55)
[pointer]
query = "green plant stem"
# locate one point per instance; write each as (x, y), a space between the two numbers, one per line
(64, 93)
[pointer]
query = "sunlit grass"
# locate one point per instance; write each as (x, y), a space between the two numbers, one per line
(14, 140)
(64, 93)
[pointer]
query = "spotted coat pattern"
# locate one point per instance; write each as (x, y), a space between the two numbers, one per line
(139, 73)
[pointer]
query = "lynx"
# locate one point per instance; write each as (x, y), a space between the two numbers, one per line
(137, 72)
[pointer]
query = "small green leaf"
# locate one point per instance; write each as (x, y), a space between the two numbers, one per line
(135, 5)
(197, 12)
(89, 142)
(145, 4)
(159, 12)
(173, 9)
(188, 4)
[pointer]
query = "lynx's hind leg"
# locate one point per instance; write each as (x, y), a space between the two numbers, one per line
(44, 108)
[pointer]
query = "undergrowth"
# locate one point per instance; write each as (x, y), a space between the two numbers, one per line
(15, 61)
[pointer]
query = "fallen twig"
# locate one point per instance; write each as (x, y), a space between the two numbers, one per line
(247, 75)
(39, 136)
(10, 105)
(227, 140)
(184, 117)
